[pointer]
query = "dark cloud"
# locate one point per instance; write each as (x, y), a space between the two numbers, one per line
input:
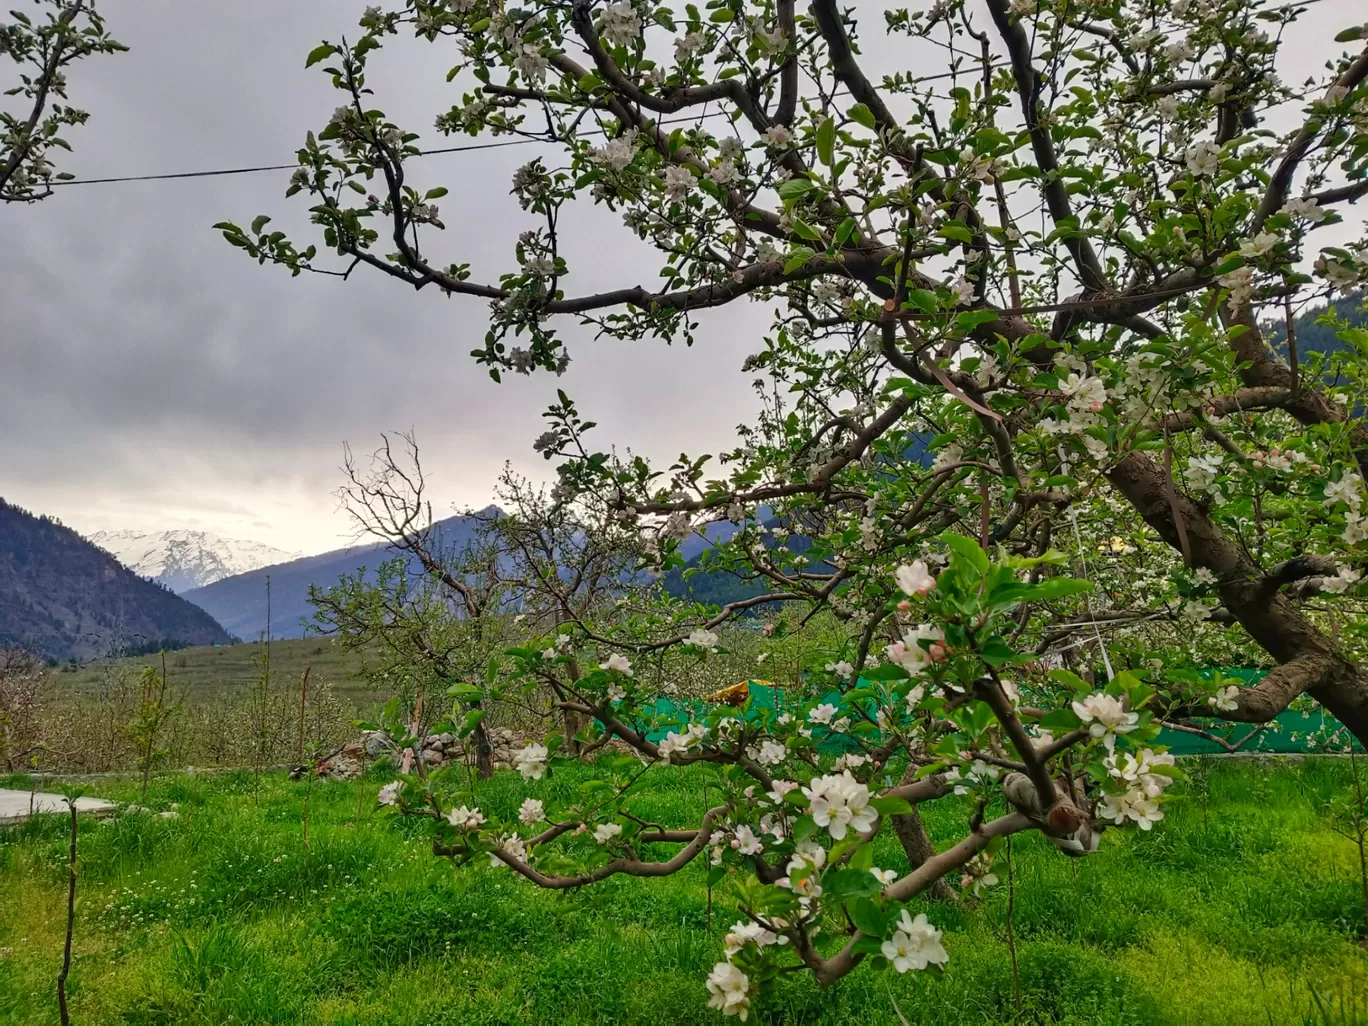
(152, 377)
(155, 377)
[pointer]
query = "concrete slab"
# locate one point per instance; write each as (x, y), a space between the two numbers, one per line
(16, 806)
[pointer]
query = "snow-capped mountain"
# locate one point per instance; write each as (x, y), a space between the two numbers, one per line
(182, 560)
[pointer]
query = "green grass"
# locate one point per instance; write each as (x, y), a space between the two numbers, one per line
(207, 670)
(1249, 915)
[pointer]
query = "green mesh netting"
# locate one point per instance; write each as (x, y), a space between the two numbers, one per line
(1295, 732)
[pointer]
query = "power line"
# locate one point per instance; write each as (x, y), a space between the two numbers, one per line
(277, 167)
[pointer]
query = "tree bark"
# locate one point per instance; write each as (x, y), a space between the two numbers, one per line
(1309, 661)
(917, 845)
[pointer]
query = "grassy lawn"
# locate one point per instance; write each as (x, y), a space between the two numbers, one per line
(1248, 914)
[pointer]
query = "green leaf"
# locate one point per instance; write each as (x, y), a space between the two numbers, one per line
(805, 231)
(826, 142)
(795, 188)
(867, 916)
(888, 806)
(923, 300)
(968, 550)
(845, 231)
(320, 53)
(1058, 587)
(996, 652)
(850, 883)
(260, 222)
(464, 690)
(1350, 34)
(862, 115)
(1060, 719)
(798, 256)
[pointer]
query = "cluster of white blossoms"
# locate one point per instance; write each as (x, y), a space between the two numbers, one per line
(702, 639)
(839, 802)
(911, 655)
(1203, 159)
(1105, 716)
(1086, 395)
(1202, 471)
(531, 761)
(1143, 786)
(463, 818)
(389, 794)
(621, 23)
(1349, 490)
(729, 990)
(617, 663)
(531, 811)
(915, 944)
(676, 743)
(615, 153)
(679, 182)
(842, 669)
(510, 844)
(1344, 579)
(767, 753)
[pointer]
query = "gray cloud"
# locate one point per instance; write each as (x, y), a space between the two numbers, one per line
(151, 376)
(155, 377)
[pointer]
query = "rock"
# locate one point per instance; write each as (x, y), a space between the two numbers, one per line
(374, 744)
(345, 765)
(431, 756)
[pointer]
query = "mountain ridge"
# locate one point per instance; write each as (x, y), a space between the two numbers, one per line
(183, 560)
(67, 598)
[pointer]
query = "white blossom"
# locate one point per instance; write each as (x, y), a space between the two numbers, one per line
(840, 802)
(703, 639)
(617, 663)
(823, 713)
(531, 63)
(464, 818)
(1306, 208)
(1203, 159)
(1259, 245)
(605, 832)
(1346, 578)
(915, 944)
(531, 761)
(621, 23)
(746, 842)
(531, 811)
(389, 794)
(1106, 716)
(511, 844)
(679, 182)
(768, 753)
(914, 580)
(729, 990)
(778, 136)
(1226, 699)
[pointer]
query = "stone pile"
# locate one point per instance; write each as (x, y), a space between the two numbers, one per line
(438, 750)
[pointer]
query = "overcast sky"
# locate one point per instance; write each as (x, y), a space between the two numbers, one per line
(152, 377)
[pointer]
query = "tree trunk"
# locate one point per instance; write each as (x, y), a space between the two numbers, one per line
(916, 844)
(1309, 660)
(484, 752)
